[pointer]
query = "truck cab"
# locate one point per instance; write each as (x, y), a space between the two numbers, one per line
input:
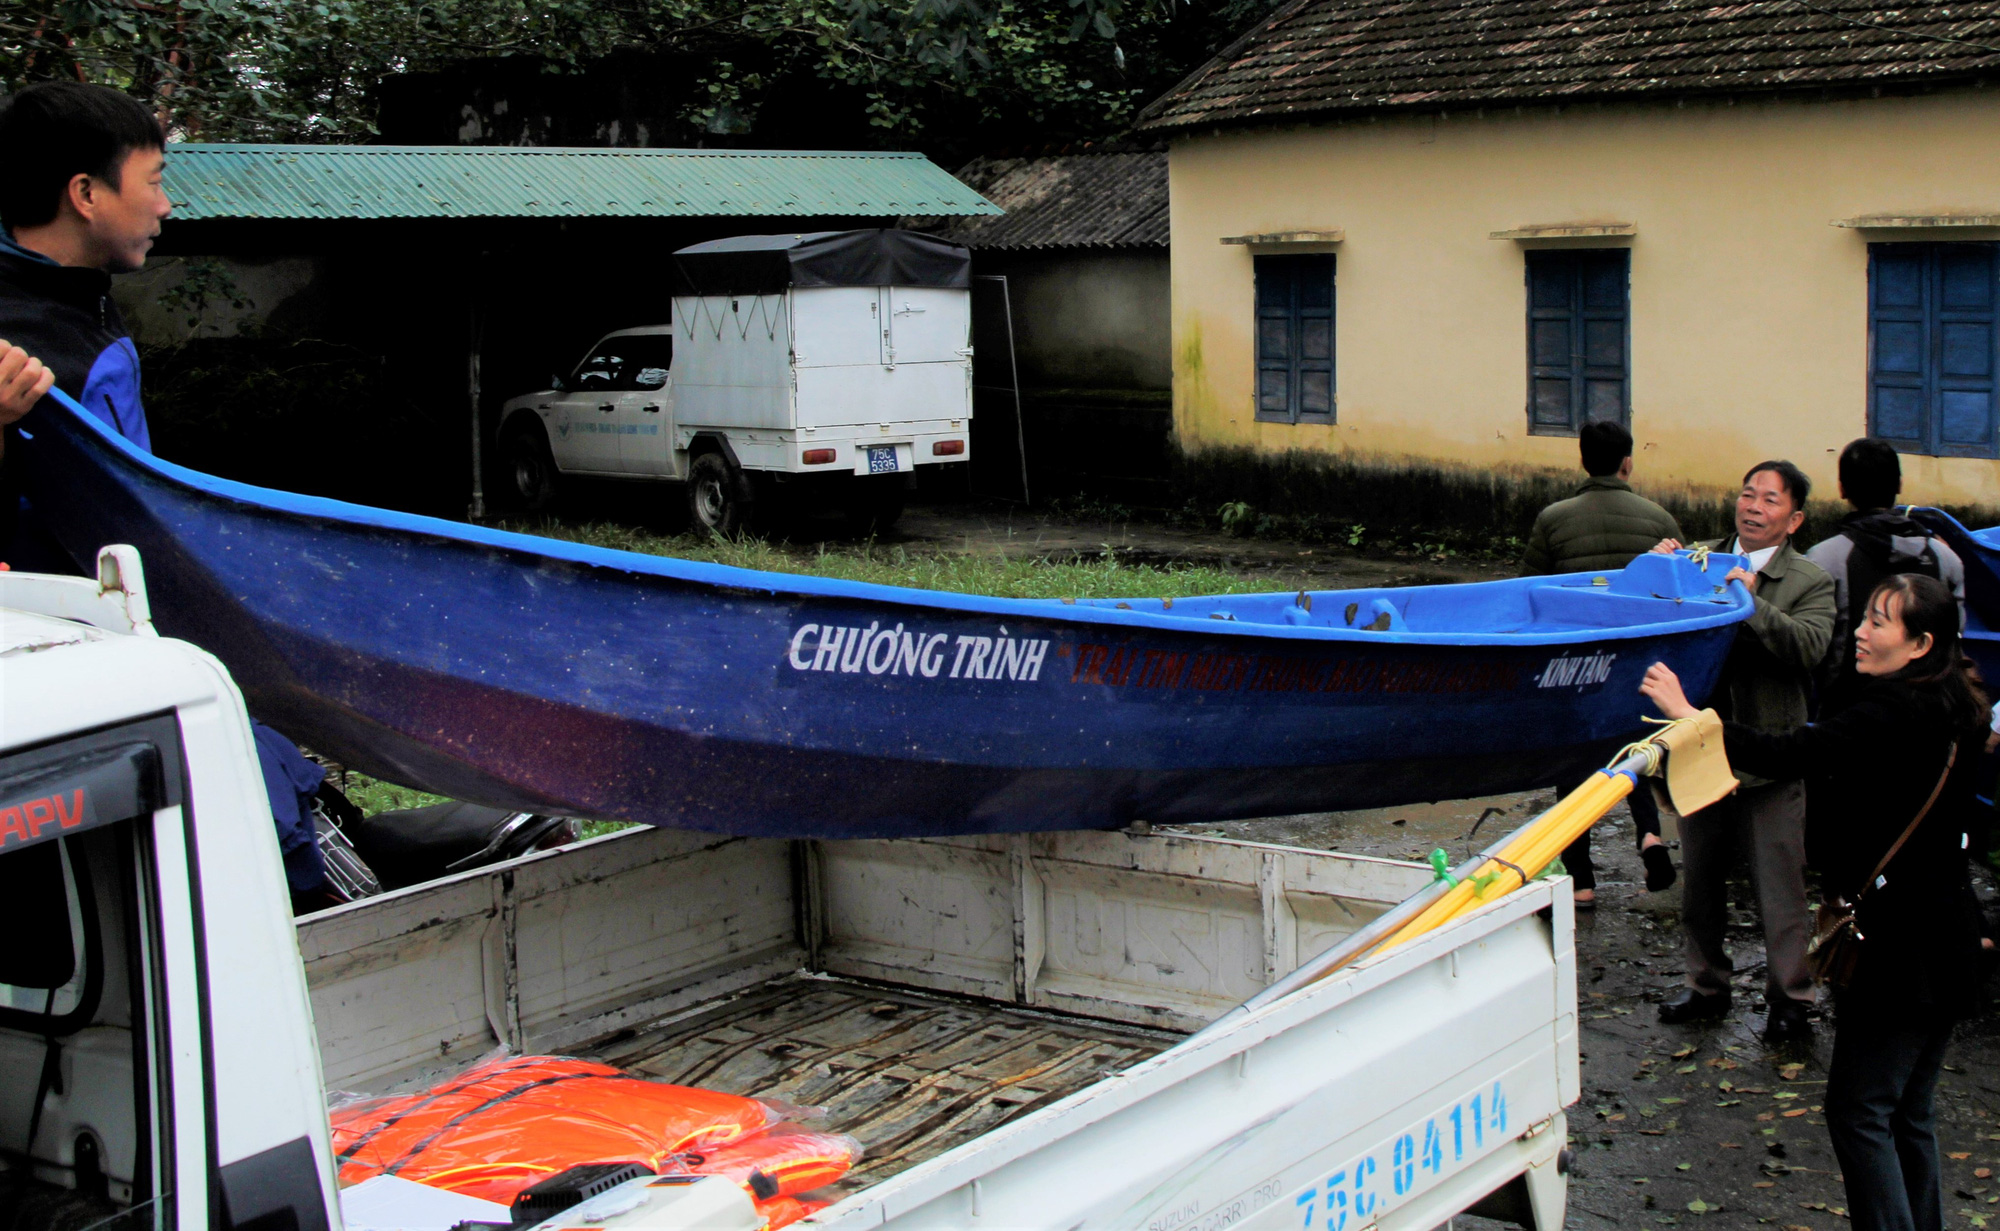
(817, 370)
(610, 417)
(156, 1043)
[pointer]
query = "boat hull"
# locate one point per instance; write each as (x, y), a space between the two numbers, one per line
(523, 673)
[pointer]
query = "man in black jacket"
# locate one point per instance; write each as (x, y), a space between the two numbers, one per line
(81, 201)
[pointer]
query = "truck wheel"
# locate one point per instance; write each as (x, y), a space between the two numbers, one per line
(530, 467)
(874, 504)
(719, 496)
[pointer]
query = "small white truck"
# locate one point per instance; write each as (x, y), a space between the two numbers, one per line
(819, 370)
(1004, 1021)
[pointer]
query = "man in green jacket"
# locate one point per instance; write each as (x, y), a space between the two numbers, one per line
(1606, 523)
(1604, 526)
(1765, 684)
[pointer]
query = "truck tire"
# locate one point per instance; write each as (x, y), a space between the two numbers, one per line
(719, 496)
(873, 505)
(530, 469)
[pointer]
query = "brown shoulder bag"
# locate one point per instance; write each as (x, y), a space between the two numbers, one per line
(1835, 950)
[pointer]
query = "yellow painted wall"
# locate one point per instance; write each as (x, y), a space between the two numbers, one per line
(1749, 312)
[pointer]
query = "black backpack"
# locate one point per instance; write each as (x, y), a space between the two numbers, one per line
(1875, 555)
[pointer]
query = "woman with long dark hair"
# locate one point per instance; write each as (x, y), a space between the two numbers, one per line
(1899, 741)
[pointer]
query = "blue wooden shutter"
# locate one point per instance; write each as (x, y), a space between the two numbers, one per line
(1604, 283)
(1315, 333)
(1551, 344)
(1933, 310)
(1579, 309)
(1295, 304)
(1900, 341)
(1965, 319)
(1276, 288)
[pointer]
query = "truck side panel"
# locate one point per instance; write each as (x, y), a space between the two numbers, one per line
(557, 948)
(620, 929)
(733, 361)
(1166, 934)
(1398, 1093)
(868, 396)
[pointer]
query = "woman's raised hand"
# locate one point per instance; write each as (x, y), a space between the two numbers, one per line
(1664, 687)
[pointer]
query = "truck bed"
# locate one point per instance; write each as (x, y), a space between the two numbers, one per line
(910, 1075)
(996, 1017)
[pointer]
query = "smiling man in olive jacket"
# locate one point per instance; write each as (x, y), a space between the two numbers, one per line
(1604, 526)
(1765, 684)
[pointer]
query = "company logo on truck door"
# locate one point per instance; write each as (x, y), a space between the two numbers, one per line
(24, 821)
(897, 650)
(1583, 672)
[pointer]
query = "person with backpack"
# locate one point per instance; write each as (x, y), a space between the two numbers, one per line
(1874, 542)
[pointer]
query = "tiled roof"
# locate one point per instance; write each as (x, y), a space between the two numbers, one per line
(408, 181)
(1086, 200)
(1317, 57)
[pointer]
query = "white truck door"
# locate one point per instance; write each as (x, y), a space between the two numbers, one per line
(583, 432)
(645, 407)
(926, 324)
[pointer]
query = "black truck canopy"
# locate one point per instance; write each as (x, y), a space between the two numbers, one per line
(750, 264)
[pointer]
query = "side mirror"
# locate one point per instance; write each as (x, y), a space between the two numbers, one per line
(556, 382)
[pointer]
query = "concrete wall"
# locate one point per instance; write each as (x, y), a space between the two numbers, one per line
(175, 298)
(1749, 312)
(1088, 318)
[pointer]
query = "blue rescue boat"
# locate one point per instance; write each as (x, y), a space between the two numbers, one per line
(529, 673)
(1980, 550)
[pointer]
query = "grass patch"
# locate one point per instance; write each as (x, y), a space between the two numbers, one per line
(373, 795)
(1102, 576)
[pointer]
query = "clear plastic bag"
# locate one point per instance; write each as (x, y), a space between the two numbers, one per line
(782, 1161)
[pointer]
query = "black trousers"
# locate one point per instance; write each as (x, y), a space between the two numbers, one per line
(1879, 1095)
(1645, 820)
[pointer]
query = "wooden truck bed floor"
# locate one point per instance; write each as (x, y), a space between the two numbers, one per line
(909, 1074)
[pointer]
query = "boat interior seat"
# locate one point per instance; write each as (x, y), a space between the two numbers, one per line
(1671, 575)
(1558, 607)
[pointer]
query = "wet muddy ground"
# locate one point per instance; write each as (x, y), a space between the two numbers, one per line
(1678, 1125)
(1684, 1125)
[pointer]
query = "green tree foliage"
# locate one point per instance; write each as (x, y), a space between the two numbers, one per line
(920, 71)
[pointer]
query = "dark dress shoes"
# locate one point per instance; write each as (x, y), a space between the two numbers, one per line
(1660, 872)
(1787, 1023)
(1688, 1005)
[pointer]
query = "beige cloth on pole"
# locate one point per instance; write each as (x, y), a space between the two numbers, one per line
(1698, 771)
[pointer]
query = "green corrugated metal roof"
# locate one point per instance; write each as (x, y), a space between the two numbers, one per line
(407, 181)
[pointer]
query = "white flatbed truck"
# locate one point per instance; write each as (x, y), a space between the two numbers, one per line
(1004, 1021)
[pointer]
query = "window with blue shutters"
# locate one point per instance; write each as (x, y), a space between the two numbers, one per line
(1579, 338)
(1931, 345)
(1294, 338)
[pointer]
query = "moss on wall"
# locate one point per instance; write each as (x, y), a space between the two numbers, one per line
(1367, 500)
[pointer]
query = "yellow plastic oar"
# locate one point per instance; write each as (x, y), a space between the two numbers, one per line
(1700, 775)
(1697, 775)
